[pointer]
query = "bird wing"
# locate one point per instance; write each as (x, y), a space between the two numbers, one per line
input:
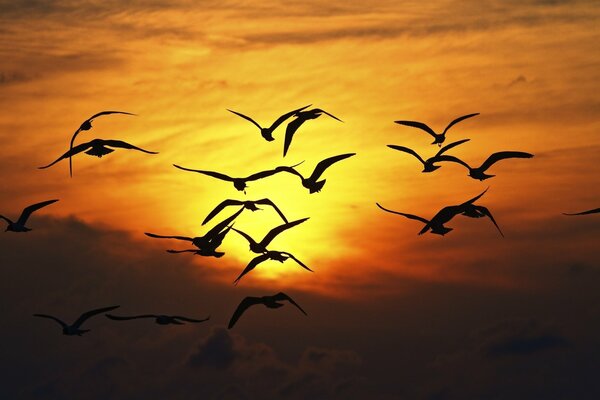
(326, 163)
(450, 146)
(220, 207)
(409, 216)
(406, 150)
(107, 112)
(221, 225)
(91, 313)
(217, 175)
(291, 170)
(153, 235)
(473, 199)
(186, 319)
(241, 308)
(453, 159)
(270, 203)
(594, 211)
(75, 150)
(251, 265)
(63, 324)
(290, 255)
(6, 219)
(320, 110)
(125, 145)
(419, 125)
(246, 236)
(282, 296)
(290, 130)
(277, 230)
(119, 318)
(245, 117)
(285, 116)
(27, 211)
(261, 174)
(457, 120)
(485, 211)
(501, 155)
(183, 251)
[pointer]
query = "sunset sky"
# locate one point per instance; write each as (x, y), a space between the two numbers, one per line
(391, 314)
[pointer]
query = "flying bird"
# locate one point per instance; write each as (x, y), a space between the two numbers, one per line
(267, 133)
(98, 148)
(312, 183)
(268, 301)
(248, 204)
(479, 172)
(280, 256)
(261, 247)
(74, 329)
(300, 118)
(428, 164)
(86, 126)
(439, 138)
(159, 319)
(19, 225)
(594, 211)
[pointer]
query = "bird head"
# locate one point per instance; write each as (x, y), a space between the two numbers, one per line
(430, 167)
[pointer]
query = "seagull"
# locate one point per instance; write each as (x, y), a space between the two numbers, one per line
(73, 329)
(86, 126)
(97, 147)
(439, 137)
(159, 319)
(300, 118)
(267, 133)
(261, 247)
(436, 224)
(267, 301)
(249, 204)
(428, 164)
(238, 183)
(19, 225)
(280, 256)
(479, 172)
(312, 183)
(208, 250)
(594, 211)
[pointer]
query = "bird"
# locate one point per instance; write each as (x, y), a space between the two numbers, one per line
(312, 183)
(439, 138)
(86, 126)
(159, 319)
(98, 148)
(475, 211)
(209, 249)
(267, 133)
(268, 301)
(300, 118)
(238, 183)
(248, 204)
(594, 211)
(436, 224)
(280, 256)
(19, 225)
(428, 164)
(261, 247)
(74, 329)
(479, 172)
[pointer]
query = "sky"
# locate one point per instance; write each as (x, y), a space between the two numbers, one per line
(391, 314)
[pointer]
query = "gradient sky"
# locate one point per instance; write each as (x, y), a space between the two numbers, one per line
(391, 314)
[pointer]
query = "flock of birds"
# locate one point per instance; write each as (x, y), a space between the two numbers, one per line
(208, 244)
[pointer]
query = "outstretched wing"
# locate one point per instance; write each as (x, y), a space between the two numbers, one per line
(64, 325)
(186, 319)
(326, 163)
(502, 155)
(320, 110)
(409, 216)
(406, 150)
(485, 211)
(241, 308)
(450, 146)
(453, 159)
(251, 265)
(125, 145)
(245, 117)
(153, 235)
(27, 211)
(91, 313)
(119, 318)
(268, 202)
(285, 116)
(277, 230)
(419, 125)
(220, 207)
(457, 120)
(474, 199)
(90, 119)
(222, 225)
(75, 150)
(246, 236)
(282, 296)
(217, 175)
(291, 129)
(290, 255)
(261, 174)
(594, 211)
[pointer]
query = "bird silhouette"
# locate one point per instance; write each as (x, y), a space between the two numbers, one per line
(267, 133)
(280, 256)
(300, 118)
(98, 148)
(312, 183)
(248, 204)
(479, 172)
(19, 225)
(474, 211)
(268, 301)
(594, 211)
(436, 224)
(74, 329)
(159, 319)
(428, 164)
(261, 247)
(86, 126)
(439, 138)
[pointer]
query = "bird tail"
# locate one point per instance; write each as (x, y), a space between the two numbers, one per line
(318, 186)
